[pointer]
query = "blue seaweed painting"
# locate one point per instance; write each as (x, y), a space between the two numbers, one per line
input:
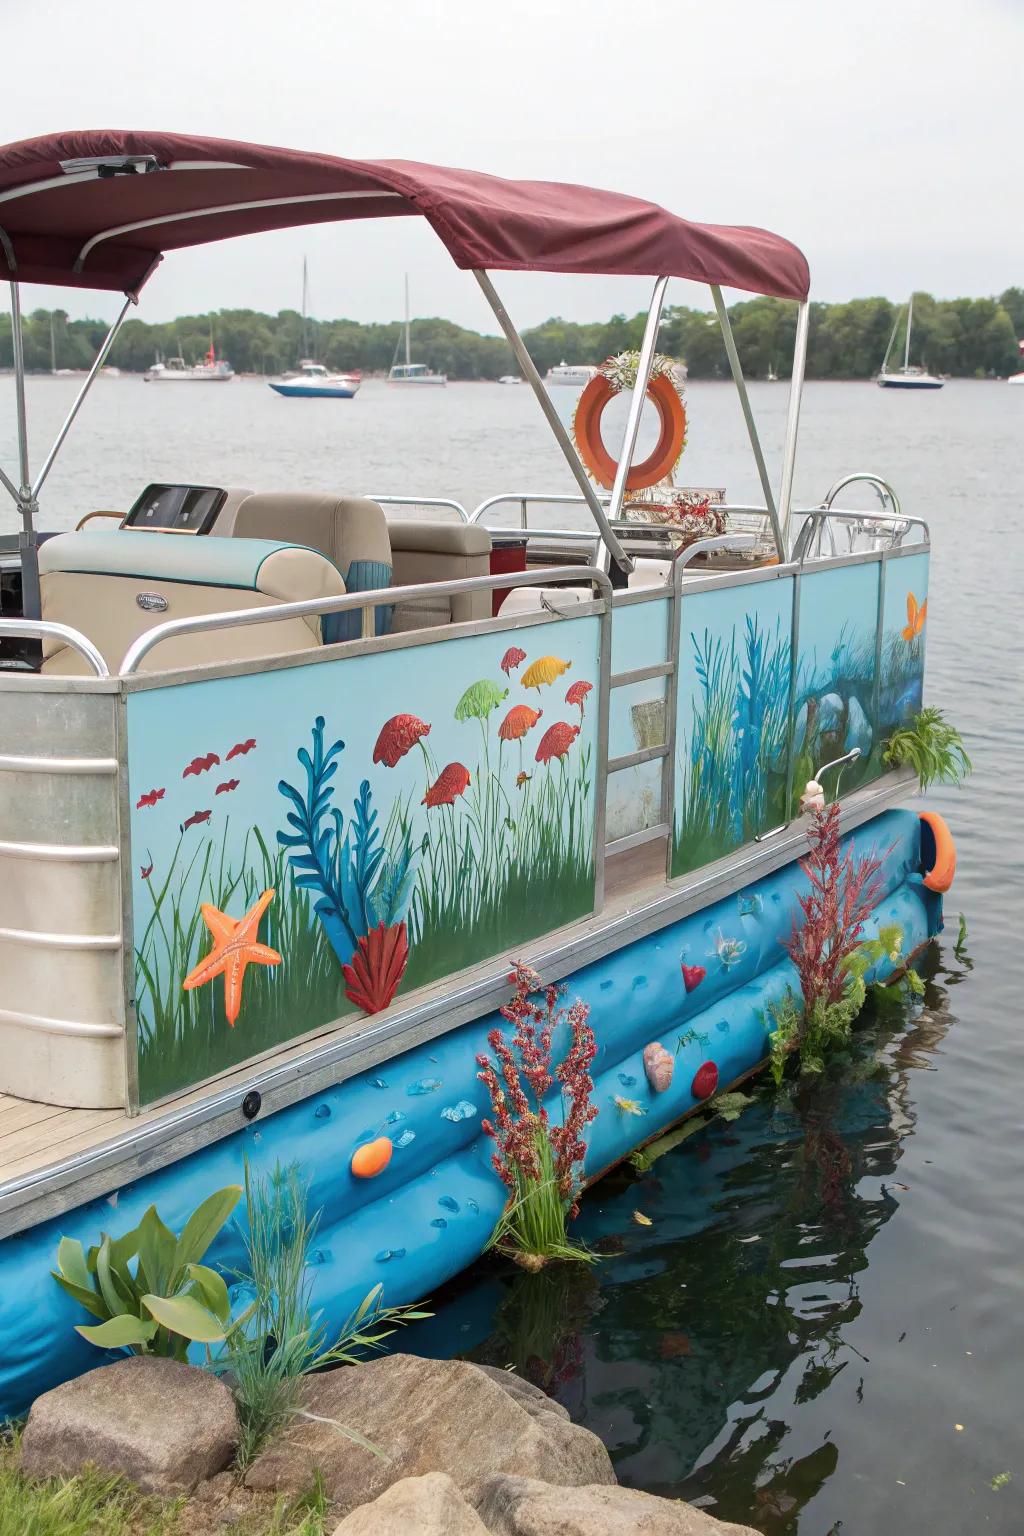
(356, 885)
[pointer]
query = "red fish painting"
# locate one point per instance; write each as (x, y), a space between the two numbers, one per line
(512, 659)
(202, 764)
(451, 782)
(196, 819)
(397, 737)
(226, 787)
(693, 975)
(240, 748)
(145, 870)
(556, 741)
(520, 719)
(577, 695)
(149, 798)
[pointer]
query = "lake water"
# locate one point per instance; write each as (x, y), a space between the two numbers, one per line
(821, 1331)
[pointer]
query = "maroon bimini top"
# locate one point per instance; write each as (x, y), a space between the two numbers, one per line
(97, 227)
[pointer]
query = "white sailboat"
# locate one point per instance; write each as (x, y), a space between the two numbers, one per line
(410, 372)
(909, 376)
(313, 381)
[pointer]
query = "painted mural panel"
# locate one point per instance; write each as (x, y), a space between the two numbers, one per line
(904, 621)
(733, 712)
(640, 634)
(309, 842)
(835, 707)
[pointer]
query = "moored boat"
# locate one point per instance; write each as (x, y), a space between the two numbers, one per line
(910, 375)
(409, 373)
(175, 370)
(314, 382)
(573, 374)
(279, 799)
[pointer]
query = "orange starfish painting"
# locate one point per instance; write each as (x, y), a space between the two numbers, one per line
(235, 945)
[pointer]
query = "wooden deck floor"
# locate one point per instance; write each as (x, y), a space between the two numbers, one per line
(34, 1137)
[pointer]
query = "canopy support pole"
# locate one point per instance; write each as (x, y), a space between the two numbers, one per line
(615, 550)
(23, 496)
(796, 389)
(748, 417)
(87, 382)
(636, 404)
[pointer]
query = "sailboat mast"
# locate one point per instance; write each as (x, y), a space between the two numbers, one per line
(910, 321)
(408, 354)
(305, 307)
(53, 346)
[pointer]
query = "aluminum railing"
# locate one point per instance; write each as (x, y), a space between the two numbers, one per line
(424, 501)
(39, 629)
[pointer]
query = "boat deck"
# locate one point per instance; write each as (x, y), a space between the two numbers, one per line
(52, 1159)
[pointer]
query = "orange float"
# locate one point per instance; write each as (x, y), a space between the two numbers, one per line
(371, 1159)
(938, 850)
(660, 463)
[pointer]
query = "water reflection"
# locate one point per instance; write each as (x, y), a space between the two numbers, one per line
(696, 1342)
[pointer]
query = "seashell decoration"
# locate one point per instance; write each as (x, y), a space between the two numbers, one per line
(659, 1066)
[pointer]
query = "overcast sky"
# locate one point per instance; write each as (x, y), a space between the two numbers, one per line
(883, 136)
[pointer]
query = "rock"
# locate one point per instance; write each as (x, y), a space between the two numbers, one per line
(416, 1506)
(425, 1416)
(534, 1399)
(659, 1066)
(830, 714)
(162, 1425)
(523, 1506)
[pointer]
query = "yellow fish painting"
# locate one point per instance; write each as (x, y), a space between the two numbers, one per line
(915, 618)
(547, 670)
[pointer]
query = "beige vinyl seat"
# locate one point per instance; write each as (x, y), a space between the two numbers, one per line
(113, 587)
(351, 531)
(439, 551)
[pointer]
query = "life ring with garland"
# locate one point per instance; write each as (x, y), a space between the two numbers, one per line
(616, 374)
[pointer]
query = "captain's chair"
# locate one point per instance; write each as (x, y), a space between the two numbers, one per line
(350, 530)
(113, 587)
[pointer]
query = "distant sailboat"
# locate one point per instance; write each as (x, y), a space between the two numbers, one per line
(410, 372)
(909, 376)
(313, 381)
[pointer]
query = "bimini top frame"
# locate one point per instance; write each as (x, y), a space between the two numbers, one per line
(99, 209)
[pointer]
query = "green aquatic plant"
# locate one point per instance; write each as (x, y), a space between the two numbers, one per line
(284, 1338)
(536, 1158)
(932, 747)
(148, 1287)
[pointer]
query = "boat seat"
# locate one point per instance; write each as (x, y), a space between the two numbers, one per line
(113, 587)
(426, 551)
(351, 531)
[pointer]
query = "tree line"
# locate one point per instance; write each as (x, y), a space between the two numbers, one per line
(967, 338)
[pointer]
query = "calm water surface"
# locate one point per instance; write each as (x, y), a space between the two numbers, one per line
(830, 1286)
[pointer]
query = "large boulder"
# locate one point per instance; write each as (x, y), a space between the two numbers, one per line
(417, 1506)
(522, 1506)
(424, 1416)
(163, 1425)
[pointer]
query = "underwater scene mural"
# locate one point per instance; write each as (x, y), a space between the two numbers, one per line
(733, 719)
(309, 842)
(736, 676)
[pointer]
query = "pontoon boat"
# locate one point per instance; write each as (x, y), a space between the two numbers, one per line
(279, 799)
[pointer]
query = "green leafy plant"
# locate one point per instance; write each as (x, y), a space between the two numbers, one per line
(284, 1339)
(960, 947)
(932, 747)
(887, 947)
(148, 1288)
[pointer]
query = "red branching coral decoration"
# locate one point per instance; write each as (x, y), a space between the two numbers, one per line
(376, 968)
(519, 1112)
(843, 892)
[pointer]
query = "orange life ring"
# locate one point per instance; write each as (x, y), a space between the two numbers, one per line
(938, 851)
(659, 464)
